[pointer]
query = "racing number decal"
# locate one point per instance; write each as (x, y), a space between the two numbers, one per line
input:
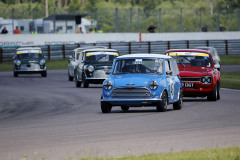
(171, 89)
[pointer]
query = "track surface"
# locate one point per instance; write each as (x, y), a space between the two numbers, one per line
(51, 118)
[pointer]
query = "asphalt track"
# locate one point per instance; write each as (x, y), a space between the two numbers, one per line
(51, 118)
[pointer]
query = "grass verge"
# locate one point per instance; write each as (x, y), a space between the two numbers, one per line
(232, 153)
(230, 80)
(230, 60)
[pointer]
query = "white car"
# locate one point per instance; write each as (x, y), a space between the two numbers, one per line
(213, 52)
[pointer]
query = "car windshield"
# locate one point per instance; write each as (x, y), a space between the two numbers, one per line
(190, 59)
(139, 66)
(100, 57)
(29, 56)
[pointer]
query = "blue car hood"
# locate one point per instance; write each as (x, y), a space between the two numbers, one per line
(136, 80)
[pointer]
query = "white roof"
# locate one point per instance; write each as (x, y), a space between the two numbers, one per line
(89, 47)
(146, 55)
(101, 49)
(95, 48)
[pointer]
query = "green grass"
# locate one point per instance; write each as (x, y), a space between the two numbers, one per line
(230, 80)
(57, 64)
(6, 66)
(232, 153)
(230, 60)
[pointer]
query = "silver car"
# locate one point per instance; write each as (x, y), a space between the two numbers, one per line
(216, 58)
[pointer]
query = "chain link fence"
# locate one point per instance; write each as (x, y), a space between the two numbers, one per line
(111, 20)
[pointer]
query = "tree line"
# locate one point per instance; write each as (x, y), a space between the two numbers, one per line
(149, 12)
(151, 4)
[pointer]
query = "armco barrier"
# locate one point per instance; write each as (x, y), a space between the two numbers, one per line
(59, 51)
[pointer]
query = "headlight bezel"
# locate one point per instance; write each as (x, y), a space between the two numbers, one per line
(153, 85)
(206, 79)
(108, 85)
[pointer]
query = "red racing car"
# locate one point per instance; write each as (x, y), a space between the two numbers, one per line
(197, 72)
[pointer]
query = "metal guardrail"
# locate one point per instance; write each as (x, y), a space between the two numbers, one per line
(55, 52)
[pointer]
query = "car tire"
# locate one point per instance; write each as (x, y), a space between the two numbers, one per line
(44, 74)
(218, 91)
(70, 78)
(213, 95)
(106, 107)
(178, 105)
(85, 82)
(77, 83)
(15, 74)
(125, 108)
(162, 105)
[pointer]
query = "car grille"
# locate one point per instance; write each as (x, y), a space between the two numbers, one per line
(131, 92)
(191, 79)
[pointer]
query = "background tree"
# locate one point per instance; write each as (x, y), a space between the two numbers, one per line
(74, 6)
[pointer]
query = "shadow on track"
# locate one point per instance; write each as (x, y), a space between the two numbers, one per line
(118, 111)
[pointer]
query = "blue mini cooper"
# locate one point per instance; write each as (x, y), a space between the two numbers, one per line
(140, 80)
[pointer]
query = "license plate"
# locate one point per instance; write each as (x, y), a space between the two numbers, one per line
(188, 85)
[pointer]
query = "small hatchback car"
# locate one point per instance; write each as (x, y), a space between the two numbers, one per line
(198, 75)
(140, 80)
(214, 54)
(75, 59)
(93, 66)
(29, 61)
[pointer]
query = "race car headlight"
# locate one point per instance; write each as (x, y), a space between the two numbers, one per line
(18, 63)
(107, 85)
(209, 79)
(206, 79)
(90, 68)
(153, 85)
(42, 62)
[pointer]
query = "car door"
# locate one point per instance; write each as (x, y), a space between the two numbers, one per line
(72, 64)
(170, 87)
(173, 80)
(80, 67)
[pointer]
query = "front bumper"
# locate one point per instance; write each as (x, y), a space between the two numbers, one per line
(199, 90)
(97, 77)
(30, 68)
(132, 101)
(95, 80)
